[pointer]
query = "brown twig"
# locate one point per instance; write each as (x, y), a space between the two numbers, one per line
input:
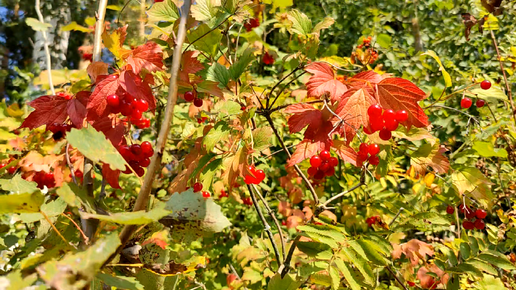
(54, 227)
(286, 265)
(323, 205)
(395, 277)
(507, 87)
(277, 84)
(143, 196)
(70, 165)
(85, 238)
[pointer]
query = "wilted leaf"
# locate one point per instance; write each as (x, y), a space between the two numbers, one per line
(469, 180)
(432, 156)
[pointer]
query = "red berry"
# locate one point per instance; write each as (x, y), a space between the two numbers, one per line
(147, 149)
(205, 194)
(363, 148)
(113, 101)
(374, 111)
(468, 225)
(470, 214)
(480, 224)
(373, 149)
(330, 171)
(145, 162)
(319, 175)
(480, 103)
(450, 209)
(136, 149)
(401, 116)
(485, 85)
(125, 151)
(198, 102)
(189, 96)
(11, 170)
(243, 108)
(143, 123)
(312, 171)
(136, 115)
(325, 155)
(2, 165)
(126, 109)
(374, 160)
(139, 171)
(315, 161)
(260, 175)
(465, 103)
(391, 124)
(385, 134)
(268, 59)
(325, 166)
(376, 123)
(388, 115)
(141, 105)
(334, 161)
(480, 213)
(197, 187)
(78, 174)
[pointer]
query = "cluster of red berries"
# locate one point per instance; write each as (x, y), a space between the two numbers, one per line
(44, 179)
(11, 170)
(366, 42)
(137, 155)
(247, 200)
(223, 193)
(384, 121)
(373, 220)
(202, 120)
(252, 23)
(268, 59)
(322, 165)
(130, 107)
(64, 95)
(466, 102)
(368, 152)
(475, 218)
(255, 177)
(192, 96)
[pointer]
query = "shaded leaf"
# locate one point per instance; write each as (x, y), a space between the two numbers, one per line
(120, 282)
(131, 218)
(469, 180)
(163, 11)
(430, 156)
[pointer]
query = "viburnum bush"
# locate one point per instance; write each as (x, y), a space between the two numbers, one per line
(204, 157)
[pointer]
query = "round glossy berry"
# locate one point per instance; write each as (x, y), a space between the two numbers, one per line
(450, 209)
(141, 105)
(325, 155)
(198, 102)
(389, 115)
(401, 116)
(373, 149)
(319, 175)
(143, 123)
(145, 162)
(312, 171)
(470, 214)
(330, 171)
(139, 171)
(391, 124)
(385, 134)
(126, 109)
(315, 161)
(465, 103)
(363, 148)
(147, 149)
(136, 115)
(468, 225)
(11, 170)
(205, 194)
(480, 103)
(480, 213)
(376, 123)
(374, 111)
(136, 149)
(79, 174)
(197, 187)
(334, 161)
(325, 165)
(485, 85)
(189, 96)
(374, 160)
(113, 101)
(480, 224)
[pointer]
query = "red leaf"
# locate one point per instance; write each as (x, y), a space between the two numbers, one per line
(345, 152)
(111, 176)
(96, 69)
(48, 110)
(365, 77)
(304, 115)
(97, 105)
(112, 127)
(147, 56)
(190, 65)
(399, 94)
(323, 81)
(353, 109)
(211, 88)
(134, 86)
(158, 238)
(304, 150)
(77, 112)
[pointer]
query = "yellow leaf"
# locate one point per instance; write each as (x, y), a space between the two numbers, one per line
(14, 110)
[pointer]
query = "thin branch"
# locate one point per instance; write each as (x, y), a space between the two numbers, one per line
(286, 265)
(85, 238)
(342, 193)
(273, 216)
(396, 216)
(298, 170)
(284, 106)
(143, 196)
(395, 277)
(286, 86)
(54, 227)
(509, 93)
(459, 111)
(277, 84)
(47, 51)
(267, 228)
(206, 33)
(70, 165)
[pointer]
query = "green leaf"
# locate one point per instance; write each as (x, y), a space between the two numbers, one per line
(348, 273)
(75, 27)
(205, 10)
(287, 283)
(281, 4)
(301, 24)
(18, 185)
(229, 108)
(37, 25)
(490, 283)
(192, 214)
(494, 93)
(21, 203)
(473, 243)
(368, 248)
(312, 248)
(94, 145)
(335, 278)
(465, 268)
(465, 251)
(486, 149)
(218, 73)
(483, 266)
(15, 281)
(239, 67)
(75, 196)
(219, 132)
(326, 23)
(202, 163)
(384, 40)
(120, 282)
(361, 264)
(51, 209)
(500, 262)
(469, 180)
(209, 171)
(76, 270)
(205, 40)
(446, 75)
(132, 218)
(323, 235)
(262, 138)
(163, 11)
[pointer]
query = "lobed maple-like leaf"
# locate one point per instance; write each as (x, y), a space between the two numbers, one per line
(148, 56)
(138, 88)
(114, 41)
(304, 115)
(304, 150)
(189, 65)
(428, 155)
(352, 109)
(324, 81)
(110, 175)
(97, 104)
(112, 127)
(76, 108)
(345, 152)
(48, 110)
